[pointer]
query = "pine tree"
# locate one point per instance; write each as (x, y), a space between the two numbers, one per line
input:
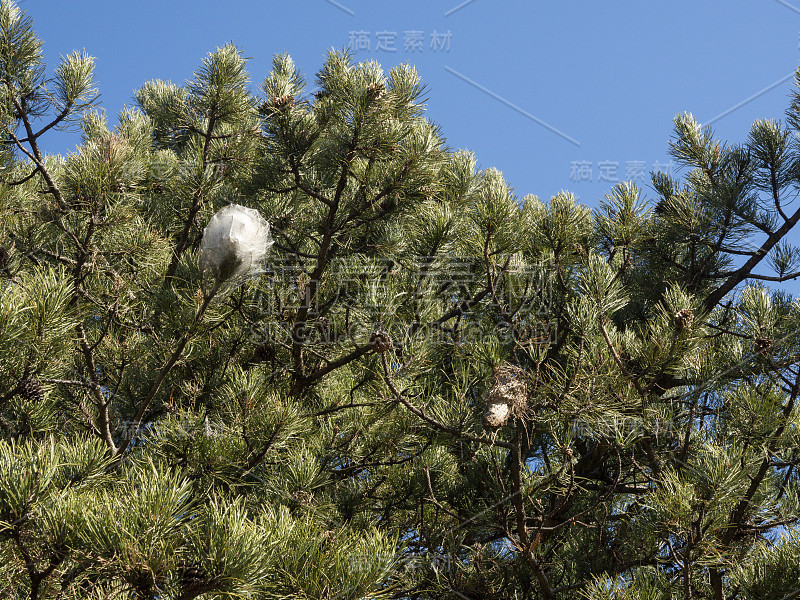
(434, 389)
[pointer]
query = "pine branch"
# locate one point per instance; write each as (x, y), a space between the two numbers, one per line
(527, 546)
(737, 518)
(24, 179)
(746, 269)
(774, 278)
(323, 260)
(35, 154)
(792, 596)
(430, 420)
(306, 380)
(299, 184)
(164, 371)
(197, 202)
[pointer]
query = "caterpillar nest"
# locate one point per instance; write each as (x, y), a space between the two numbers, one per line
(234, 246)
(508, 396)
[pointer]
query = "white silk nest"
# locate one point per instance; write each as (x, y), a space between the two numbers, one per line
(496, 414)
(234, 247)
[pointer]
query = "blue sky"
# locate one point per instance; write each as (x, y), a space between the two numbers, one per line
(558, 95)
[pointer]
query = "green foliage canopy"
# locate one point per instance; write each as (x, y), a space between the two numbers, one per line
(321, 431)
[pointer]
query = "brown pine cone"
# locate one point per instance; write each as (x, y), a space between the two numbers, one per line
(31, 389)
(375, 90)
(763, 345)
(684, 319)
(380, 342)
(192, 574)
(282, 102)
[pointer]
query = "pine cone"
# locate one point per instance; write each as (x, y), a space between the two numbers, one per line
(375, 90)
(31, 389)
(302, 497)
(380, 342)
(192, 575)
(264, 352)
(3, 257)
(282, 102)
(684, 319)
(763, 345)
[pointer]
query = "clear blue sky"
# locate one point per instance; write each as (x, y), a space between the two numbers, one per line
(558, 95)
